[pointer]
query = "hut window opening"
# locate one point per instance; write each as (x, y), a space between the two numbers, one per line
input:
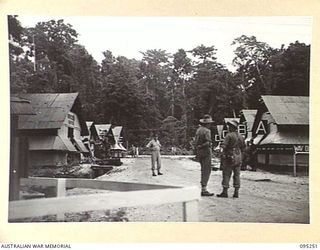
(70, 133)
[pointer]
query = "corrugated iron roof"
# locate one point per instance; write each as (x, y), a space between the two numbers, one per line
(286, 137)
(50, 142)
(226, 120)
(117, 132)
(116, 146)
(219, 129)
(257, 139)
(89, 124)
(20, 106)
(288, 110)
(249, 116)
(122, 147)
(102, 129)
(51, 110)
(81, 146)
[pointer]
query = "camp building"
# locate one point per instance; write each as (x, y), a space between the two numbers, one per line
(92, 139)
(104, 131)
(219, 134)
(117, 149)
(247, 117)
(18, 145)
(55, 131)
(281, 129)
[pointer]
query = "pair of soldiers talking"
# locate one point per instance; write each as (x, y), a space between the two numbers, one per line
(232, 146)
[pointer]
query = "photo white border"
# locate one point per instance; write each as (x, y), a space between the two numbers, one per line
(162, 232)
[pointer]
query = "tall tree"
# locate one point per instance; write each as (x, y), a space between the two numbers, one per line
(122, 101)
(155, 72)
(205, 80)
(291, 70)
(20, 67)
(253, 61)
(15, 36)
(86, 79)
(52, 42)
(214, 89)
(181, 74)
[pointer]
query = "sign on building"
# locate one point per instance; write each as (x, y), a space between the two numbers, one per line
(217, 138)
(262, 127)
(301, 148)
(242, 130)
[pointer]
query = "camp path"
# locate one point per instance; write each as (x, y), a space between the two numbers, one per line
(264, 197)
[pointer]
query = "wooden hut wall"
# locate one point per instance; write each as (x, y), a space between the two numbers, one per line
(280, 158)
(48, 158)
(53, 158)
(71, 121)
(19, 164)
(283, 159)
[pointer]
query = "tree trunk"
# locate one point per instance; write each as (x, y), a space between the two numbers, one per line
(172, 103)
(184, 110)
(262, 80)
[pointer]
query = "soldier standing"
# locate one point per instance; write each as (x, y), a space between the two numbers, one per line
(233, 146)
(155, 146)
(203, 144)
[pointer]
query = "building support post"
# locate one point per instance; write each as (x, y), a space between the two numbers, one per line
(267, 159)
(294, 164)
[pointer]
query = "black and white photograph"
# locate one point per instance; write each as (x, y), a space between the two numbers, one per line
(159, 119)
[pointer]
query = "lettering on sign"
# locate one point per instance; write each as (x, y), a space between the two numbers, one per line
(217, 138)
(242, 130)
(224, 133)
(261, 129)
(301, 148)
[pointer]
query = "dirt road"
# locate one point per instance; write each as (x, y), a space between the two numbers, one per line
(264, 197)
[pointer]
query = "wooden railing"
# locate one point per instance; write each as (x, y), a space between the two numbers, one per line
(124, 194)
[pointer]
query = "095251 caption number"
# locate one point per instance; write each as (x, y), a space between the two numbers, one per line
(308, 246)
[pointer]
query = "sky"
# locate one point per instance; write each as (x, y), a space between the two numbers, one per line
(127, 36)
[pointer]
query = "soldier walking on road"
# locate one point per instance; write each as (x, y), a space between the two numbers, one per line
(155, 146)
(232, 146)
(203, 144)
